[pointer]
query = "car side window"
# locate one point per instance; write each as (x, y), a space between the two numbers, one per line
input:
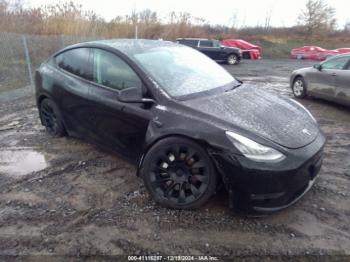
(206, 43)
(216, 43)
(192, 43)
(76, 61)
(336, 63)
(111, 71)
(347, 67)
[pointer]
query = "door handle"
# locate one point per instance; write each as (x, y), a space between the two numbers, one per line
(334, 74)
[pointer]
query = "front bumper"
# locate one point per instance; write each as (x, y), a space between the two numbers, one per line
(263, 188)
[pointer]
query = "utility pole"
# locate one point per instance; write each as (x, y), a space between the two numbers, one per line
(135, 21)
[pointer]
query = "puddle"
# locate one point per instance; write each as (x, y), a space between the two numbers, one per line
(20, 162)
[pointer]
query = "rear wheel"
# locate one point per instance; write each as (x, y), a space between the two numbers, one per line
(232, 59)
(299, 87)
(178, 173)
(50, 118)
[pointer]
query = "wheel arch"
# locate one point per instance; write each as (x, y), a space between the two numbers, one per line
(232, 53)
(298, 75)
(43, 96)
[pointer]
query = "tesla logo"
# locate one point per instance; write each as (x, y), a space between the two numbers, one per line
(305, 131)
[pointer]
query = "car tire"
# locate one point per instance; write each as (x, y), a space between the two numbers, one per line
(299, 87)
(50, 118)
(178, 173)
(232, 59)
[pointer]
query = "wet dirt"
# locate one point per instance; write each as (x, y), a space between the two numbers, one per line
(63, 196)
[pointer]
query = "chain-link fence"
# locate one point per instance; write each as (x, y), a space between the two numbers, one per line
(21, 54)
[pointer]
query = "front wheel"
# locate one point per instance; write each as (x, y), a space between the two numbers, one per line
(299, 87)
(232, 59)
(178, 173)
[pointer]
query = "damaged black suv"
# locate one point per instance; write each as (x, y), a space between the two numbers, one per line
(184, 120)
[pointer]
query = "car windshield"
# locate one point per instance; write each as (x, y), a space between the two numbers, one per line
(182, 71)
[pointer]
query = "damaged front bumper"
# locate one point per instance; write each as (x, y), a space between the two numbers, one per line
(265, 188)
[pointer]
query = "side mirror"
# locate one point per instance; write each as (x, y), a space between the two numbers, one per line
(318, 67)
(133, 95)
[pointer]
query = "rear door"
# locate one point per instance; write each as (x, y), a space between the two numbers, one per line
(206, 47)
(73, 79)
(118, 125)
(215, 52)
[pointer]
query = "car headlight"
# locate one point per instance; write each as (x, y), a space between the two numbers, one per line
(254, 150)
(305, 109)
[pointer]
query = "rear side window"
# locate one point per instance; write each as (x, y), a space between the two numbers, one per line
(77, 62)
(216, 43)
(111, 71)
(206, 43)
(192, 43)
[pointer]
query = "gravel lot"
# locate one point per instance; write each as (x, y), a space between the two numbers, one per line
(63, 196)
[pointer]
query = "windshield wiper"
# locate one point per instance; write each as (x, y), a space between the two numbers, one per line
(235, 86)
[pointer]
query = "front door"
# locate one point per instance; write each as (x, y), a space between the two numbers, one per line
(342, 84)
(322, 82)
(206, 47)
(118, 125)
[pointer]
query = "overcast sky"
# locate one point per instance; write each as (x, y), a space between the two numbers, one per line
(248, 12)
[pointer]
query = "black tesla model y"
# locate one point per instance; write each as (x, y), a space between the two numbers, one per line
(187, 123)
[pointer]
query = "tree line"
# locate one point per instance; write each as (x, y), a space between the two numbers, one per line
(68, 18)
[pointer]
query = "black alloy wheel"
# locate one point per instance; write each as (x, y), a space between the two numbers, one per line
(179, 173)
(50, 118)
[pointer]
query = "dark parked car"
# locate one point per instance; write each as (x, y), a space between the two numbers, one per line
(214, 49)
(329, 80)
(184, 120)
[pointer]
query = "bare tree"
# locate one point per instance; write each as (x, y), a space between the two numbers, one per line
(347, 26)
(317, 16)
(268, 16)
(234, 19)
(148, 17)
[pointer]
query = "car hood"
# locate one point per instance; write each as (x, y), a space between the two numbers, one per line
(302, 70)
(263, 113)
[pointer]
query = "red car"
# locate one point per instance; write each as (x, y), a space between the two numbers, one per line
(312, 53)
(343, 50)
(249, 51)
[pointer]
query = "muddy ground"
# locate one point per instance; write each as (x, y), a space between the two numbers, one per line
(62, 196)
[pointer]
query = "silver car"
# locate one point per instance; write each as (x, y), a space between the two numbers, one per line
(328, 80)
